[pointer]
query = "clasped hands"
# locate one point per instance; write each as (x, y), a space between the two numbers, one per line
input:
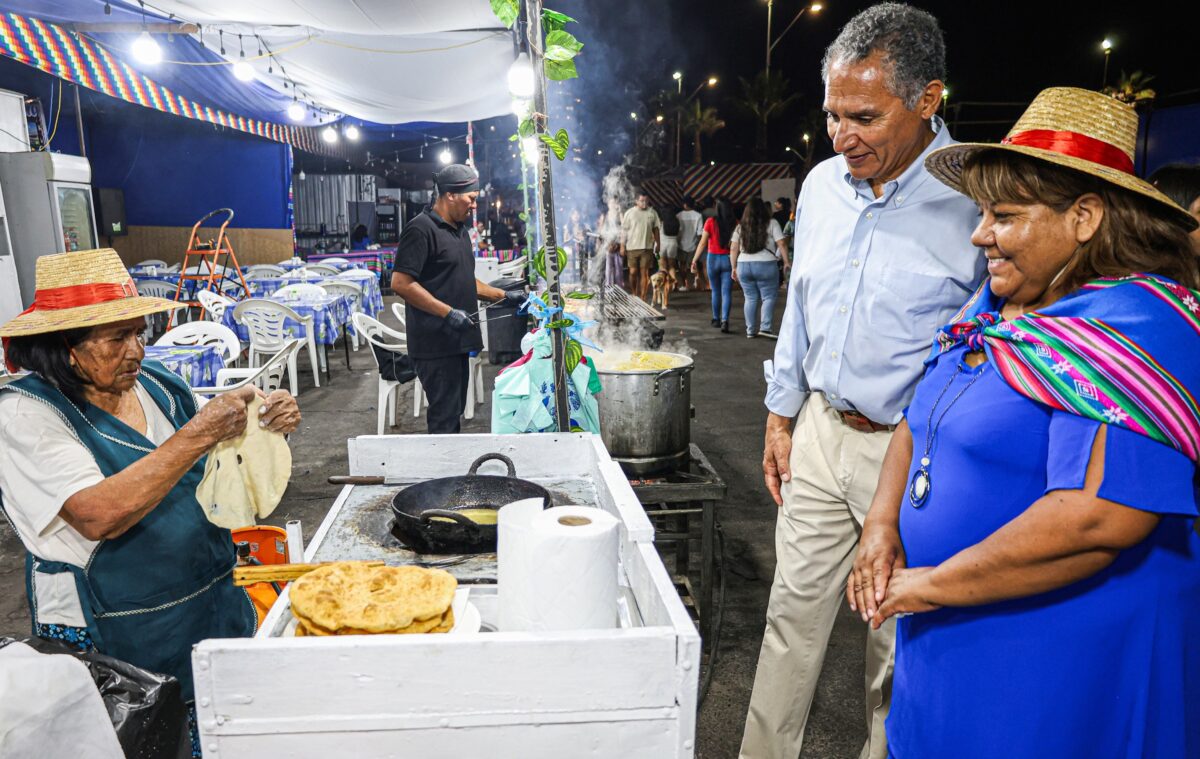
(881, 585)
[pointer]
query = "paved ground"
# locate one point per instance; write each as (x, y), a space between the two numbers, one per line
(727, 391)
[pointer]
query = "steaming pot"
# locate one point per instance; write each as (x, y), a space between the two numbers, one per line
(645, 415)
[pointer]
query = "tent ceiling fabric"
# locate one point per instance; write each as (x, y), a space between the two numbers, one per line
(385, 61)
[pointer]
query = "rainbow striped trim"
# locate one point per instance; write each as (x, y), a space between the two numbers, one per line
(1091, 367)
(74, 58)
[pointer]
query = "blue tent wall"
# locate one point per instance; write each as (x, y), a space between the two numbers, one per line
(172, 170)
(1169, 135)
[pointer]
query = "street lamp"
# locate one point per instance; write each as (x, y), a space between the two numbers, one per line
(678, 77)
(1106, 45)
(813, 8)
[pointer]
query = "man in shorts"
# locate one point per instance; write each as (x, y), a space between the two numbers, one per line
(640, 229)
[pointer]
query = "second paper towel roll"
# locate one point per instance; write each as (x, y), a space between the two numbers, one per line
(556, 568)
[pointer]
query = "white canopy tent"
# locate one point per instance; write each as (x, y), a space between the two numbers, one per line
(386, 61)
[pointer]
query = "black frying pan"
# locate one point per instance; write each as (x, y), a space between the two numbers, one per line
(416, 506)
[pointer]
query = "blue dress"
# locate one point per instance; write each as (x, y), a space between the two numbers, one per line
(1107, 667)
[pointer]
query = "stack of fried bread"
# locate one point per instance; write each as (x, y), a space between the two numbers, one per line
(349, 598)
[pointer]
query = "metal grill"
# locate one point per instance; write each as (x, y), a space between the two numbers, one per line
(616, 304)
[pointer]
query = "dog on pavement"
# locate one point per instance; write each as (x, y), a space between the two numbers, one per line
(662, 282)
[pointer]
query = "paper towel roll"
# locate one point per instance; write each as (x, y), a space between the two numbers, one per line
(556, 568)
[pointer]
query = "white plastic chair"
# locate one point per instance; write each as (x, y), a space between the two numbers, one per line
(272, 269)
(172, 267)
(205, 333)
(351, 291)
(254, 272)
(335, 260)
(268, 377)
(205, 268)
(214, 304)
(474, 389)
(322, 269)
(398, 312)
(299, 291)
(387, 400)
(152, 262)
(264, 321)
(157, 289)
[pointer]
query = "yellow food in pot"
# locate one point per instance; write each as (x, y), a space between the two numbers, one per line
(478, 516)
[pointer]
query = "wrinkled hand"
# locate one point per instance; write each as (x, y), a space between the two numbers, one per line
(279, 412)
(223, 417)
(880, 554)
(458, 320)
(907, 594)
(777, 451)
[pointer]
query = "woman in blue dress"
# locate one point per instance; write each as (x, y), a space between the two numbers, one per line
(1033, 525)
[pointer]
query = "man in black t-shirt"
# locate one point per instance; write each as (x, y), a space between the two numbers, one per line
(435, 275)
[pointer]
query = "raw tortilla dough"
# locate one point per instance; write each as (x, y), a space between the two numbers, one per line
(245, 476)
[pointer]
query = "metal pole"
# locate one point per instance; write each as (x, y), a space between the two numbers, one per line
(83, 149)
(471, 163)
(533, 19)
(770, 6)
(678, 121)
(1103, 83)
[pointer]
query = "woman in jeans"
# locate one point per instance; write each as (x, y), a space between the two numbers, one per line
(757, 246)
(715, 242)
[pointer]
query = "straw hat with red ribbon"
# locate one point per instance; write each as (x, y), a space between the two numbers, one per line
(85, 288)
(1074, 128)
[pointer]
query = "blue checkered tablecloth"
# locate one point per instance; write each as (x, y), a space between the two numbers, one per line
(197, 364)
(372, 297)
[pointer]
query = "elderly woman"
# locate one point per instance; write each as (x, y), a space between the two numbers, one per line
(1033, 523)
(100, 457)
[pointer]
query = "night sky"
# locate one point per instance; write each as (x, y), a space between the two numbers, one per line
(996, 52)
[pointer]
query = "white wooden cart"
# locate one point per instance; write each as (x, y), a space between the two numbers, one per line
(628, 692)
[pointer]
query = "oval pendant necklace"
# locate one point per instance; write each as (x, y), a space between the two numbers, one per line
(921, 484)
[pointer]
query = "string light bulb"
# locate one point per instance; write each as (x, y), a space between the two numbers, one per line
(295, 111)
(243, 71)
(146, 50)
(329, 134)
(445, 156)
(520, 78)
(351, 132)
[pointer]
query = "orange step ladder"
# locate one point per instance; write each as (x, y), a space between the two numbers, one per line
(207, 252)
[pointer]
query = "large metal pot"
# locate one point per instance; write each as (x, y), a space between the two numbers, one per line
(645, 415)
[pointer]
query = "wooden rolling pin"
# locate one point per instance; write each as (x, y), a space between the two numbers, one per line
(251, 574)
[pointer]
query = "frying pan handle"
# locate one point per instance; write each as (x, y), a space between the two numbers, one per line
(462, 519)
(512, 468)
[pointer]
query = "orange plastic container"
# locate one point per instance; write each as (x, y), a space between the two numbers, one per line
(269, 546)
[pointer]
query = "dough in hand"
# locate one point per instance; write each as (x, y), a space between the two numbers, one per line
(245, 476)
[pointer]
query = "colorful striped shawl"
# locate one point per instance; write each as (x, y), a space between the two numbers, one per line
(1122, 351)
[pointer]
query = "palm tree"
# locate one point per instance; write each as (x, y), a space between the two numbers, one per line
(700, 122)
(1132, 89)
(765, 97)
(672, 106)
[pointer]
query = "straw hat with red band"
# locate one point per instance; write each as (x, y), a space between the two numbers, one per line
(1077, 129)
(85, 288)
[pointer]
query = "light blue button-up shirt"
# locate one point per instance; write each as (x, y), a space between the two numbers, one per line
(872, 280)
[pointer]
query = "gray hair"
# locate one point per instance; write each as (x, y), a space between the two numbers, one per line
(909, 39)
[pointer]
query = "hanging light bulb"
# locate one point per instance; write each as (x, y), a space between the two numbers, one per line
(351, 132)
(303, 176)
(521, 107)
(295, 111)
(529, 149)
(146, 50)
(520, 77)
(329, 134)
(445, 156)
(243, 71)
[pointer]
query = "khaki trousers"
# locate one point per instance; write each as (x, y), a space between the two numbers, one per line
(834, 473)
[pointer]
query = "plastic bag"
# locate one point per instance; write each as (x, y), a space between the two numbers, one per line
(146, 708)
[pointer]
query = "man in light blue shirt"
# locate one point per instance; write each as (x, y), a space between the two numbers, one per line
(882, 258)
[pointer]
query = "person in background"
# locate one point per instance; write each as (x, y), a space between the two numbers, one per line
(782, 210)
(1181, 183)
(669, 250)
(359, 238)
(714, 244)
(609, 227)
(434, 273)
(640, 232)
(502, 238)
(690, 224)
(755, 250)
(882, 259)
(1033, 522)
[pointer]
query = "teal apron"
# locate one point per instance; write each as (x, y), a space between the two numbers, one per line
(164, 585)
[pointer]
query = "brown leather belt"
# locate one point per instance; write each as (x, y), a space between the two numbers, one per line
(860, 423)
